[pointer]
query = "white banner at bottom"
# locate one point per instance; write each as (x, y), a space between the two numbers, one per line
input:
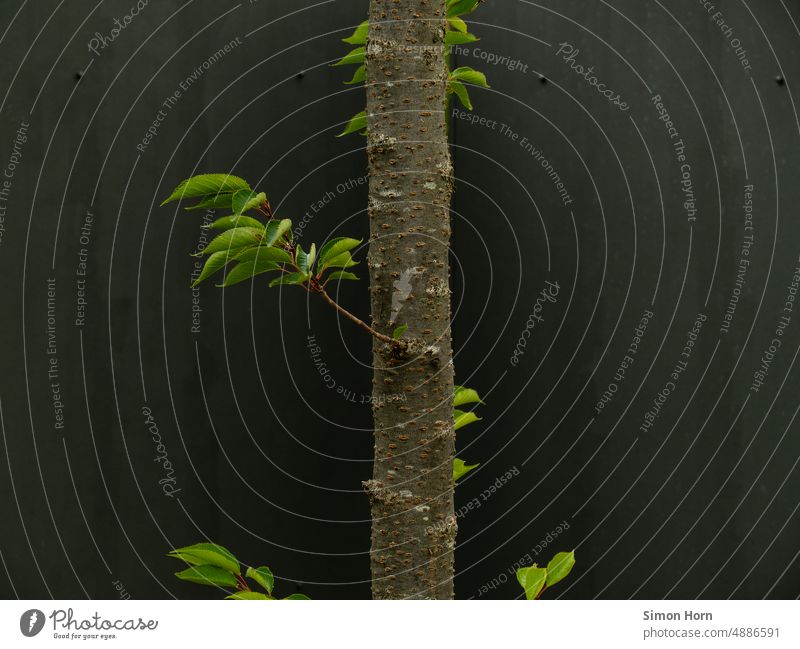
(390, 625)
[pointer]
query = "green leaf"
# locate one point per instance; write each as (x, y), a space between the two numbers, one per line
(462, 418)
(247, 270)
(398, 333)
(354, 57)
(345, 260)
(460, 91)
(234, 239)
(248, 594)
(289, 278)
(301, 259)
(207, 576)
(359, 36)
(217, 202)
(461, 7)
(334, 248)
(267, 253)
(340, 275)
(275, 230)
(359, 76)
(462, 395)
(467, 74)
(205, 185)
(312, 256)
(460, 469)
(235, 221)
(246, 199)
(213, 264)
(298, 596)
(458, 24)
(559, 567)
(457, 38)
(357, 123)
(207, 553)
(263, 577)
(532, 580)
(305, 261)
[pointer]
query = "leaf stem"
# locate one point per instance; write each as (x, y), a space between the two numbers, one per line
(266, 210)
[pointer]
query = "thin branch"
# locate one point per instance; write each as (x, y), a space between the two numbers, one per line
(382, 337)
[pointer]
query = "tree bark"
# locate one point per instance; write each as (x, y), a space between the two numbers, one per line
(410, 187)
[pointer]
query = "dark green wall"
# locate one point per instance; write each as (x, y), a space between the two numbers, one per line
(267, 457)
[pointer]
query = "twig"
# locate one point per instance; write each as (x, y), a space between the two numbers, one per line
(382, 337)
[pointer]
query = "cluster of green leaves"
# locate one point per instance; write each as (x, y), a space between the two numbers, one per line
(213, 565)
(457, 34)
(459, 77)
(255, 247)
(535, 580)
(461, 397)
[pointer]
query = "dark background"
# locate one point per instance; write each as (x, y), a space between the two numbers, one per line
(268, 459)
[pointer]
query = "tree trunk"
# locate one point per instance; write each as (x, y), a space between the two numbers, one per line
(411, 493)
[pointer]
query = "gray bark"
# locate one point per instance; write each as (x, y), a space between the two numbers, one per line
(411, 492)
